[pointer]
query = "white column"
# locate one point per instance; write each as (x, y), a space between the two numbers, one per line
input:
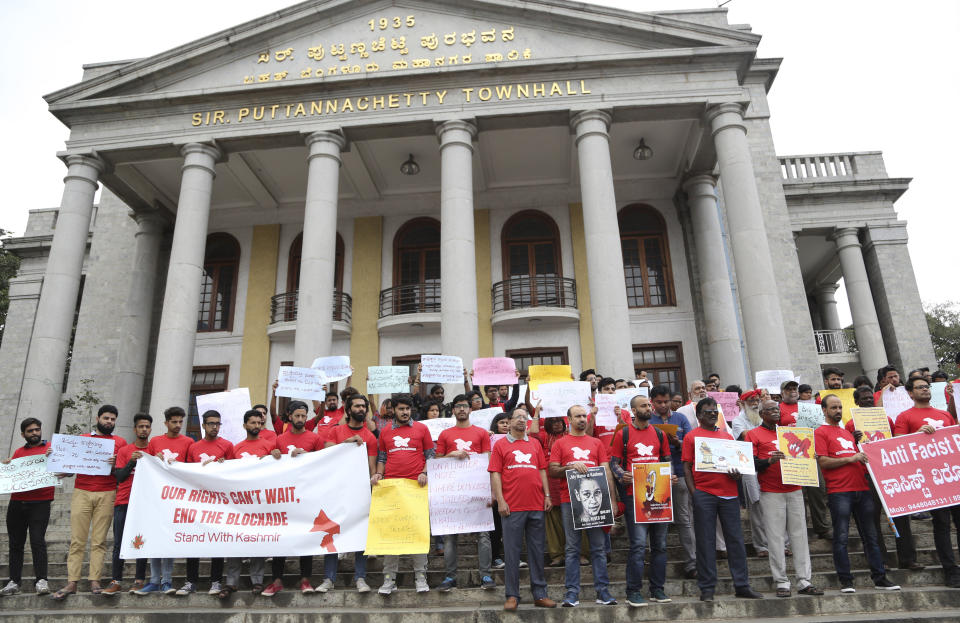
(135, 319)
(318, 259)
(756, 281)
(827, 305)
(173, 366)
(459, 331)
(719, 310)
(608, 293)
(42, 385)
(866, 325)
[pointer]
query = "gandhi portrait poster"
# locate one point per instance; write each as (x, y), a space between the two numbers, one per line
(590, 498)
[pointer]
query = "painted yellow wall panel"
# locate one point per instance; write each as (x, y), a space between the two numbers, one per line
(481, 233)
(587, 350)
(365, 290)
(261, 283)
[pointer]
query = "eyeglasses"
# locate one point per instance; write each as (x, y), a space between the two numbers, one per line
(709, 412)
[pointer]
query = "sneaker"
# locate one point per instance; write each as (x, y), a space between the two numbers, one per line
(570, 600)
(421, 582)
(305, 587)
(41, 587)
(847, 587)
(886, 585)
(636, 600)
(272, 588)
(362, 586)
(389, 585)
(186, 589)
(167, 588)
(659, 596)
(112, 589)
(12, 588)
(487, 583)
(447, 584)
(214, 588)
(604, 598)
(523, 564)
(324, 586)
(148, 588)
(499, 564)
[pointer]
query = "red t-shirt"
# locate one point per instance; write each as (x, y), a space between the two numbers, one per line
(166, 448)
(327, 418)
(605, 433)
(104, 482)
(268, 435)
(473, 439)
(788, 414)
(405, 446)
(339, 433)
(257, 447)
(280, 427)
(556, 485)
(578, 449)
(203, 450)
(764, 443)
(720, 485)
(306, 441)
(123, 488)
(912, 419)
(519, 464)
(850, 427)
(641, 448)
(35, 495)
(836, 442)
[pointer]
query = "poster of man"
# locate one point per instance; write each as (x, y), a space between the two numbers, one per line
(590, 496)
(652, 487)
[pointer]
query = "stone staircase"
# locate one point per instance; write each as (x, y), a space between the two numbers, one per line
(923, 598)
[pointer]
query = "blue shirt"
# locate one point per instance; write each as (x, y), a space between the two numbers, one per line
(683, 427)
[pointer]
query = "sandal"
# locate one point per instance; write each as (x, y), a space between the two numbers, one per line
(810, 590)
(98, 590)
(226, 591)
(61, 594)
(783, 592)
(763, 554)
(257, 589)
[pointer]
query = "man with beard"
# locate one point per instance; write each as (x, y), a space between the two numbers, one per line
(642, 443)
(29, 511)
(91, 511)
(295, 441)
(698, 391)
(356, 432)
(123, 471)
(782, 506)
(591, 377)
(747, 420)
(460, 442)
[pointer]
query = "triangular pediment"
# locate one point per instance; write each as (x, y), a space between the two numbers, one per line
(324, 40)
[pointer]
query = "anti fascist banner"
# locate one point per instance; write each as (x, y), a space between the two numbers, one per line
(800, 466)
(315, 503)
(590, 499)
(26, 474)
(652, 499)
(399, 518)
(494, 371)
(460, 495)
(73, 454)
(917, 472)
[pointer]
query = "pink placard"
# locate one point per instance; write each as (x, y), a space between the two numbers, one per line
(494, 371)
(728, 403)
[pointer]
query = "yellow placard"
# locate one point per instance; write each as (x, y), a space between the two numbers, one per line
(670, 429)
(873, 423)
(548, 374)
(399, 518)
(800, 466)
(845, 396)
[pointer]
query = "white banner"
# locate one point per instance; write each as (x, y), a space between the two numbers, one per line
(460, 495)
(558, 397)
(73, 454)
(388, 379)
(231, 406)
(250, 507)
(304, 383)
(896, 402)
(26, 474)
(441, 369)
(771, 380)
(334, 368)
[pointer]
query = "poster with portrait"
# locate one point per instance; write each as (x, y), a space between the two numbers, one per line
(590, 498)
(652, 501)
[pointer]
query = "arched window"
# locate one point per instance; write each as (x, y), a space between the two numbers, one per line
(219, 288)
(416, 267)
(531, 259)
(646, 257)
(293, 264)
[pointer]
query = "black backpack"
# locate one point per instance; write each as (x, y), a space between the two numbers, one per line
(626, 441)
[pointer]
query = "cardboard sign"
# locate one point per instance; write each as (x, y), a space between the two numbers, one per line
(558, 397)
(441, 369)
(494, 371)
(624, 396)
(548, 374)
(652, 493)
(460, 495)
(73, 454)
(800, 466)
(388, 379)
(590, 499)
(809, 415)
(846, 398)
(723, 455)
(872, 423)
(26, 473)
(438, 425)
(771, 380)
(306, 383)
(728, 403)
(896, 402)
(231, 405)
(483, 417)
(605, 413)
(399, 518)
(334, 368)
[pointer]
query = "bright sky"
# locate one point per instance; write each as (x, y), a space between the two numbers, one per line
(858, 75)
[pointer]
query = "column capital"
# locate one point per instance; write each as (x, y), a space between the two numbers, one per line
(325, 145)
(725, 116)
(200, 155)
(845, 237)
(150, 222)
(581, 123)
(85, 168)
(826, 291)
(697, 184)
(456, 132)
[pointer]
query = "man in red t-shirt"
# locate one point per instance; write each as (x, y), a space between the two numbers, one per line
(402, 452)
(925, 419)
(782, 505)
(91, 510)
(715, 497)
(847, 494)
(123, 471)
(29, 511)
(459, 443)
(789, 397)
(518, 478)
(578, 451)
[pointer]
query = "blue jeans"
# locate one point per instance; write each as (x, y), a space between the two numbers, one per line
(598, 554)
(520, 526)
(638, 545)
(161, 570)
(707, 509)
(331, 561)
(860, 505)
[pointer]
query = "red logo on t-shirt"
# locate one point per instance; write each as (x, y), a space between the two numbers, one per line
(324, 524)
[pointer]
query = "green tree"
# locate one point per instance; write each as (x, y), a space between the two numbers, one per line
(84, 404)
(943, 321)
(9, 265)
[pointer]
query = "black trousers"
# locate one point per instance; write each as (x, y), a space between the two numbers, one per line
(306, 566)
(943, 518)
(193, 570)
(32, 517)
(119, 519)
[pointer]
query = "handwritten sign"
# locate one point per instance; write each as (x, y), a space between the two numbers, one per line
(873, 423)
(605, 414)
(334, 368)
(301, 383)
(26, 474)
(459, 495)
(231, 405)
(896, 402)
(728, 403)
(399, 518)
(388, 379)
(771, 380)
(800, 466)
(438, 425)
(723, 455)
(73, 454)
(809, 415)
(548, 374)
(558, 397)
(483, 417)
(494, 371)
(624, 396)
(938, 396)
(441, 369)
